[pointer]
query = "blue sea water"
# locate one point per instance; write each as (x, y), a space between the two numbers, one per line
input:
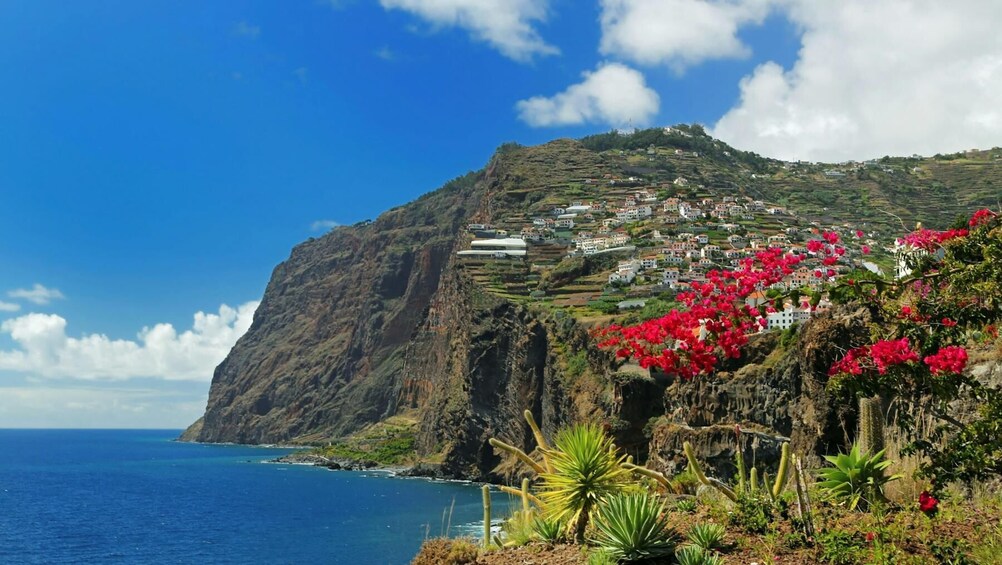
(135, 496)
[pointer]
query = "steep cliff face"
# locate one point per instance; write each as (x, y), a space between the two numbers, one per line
(380, 318)
(325, 353)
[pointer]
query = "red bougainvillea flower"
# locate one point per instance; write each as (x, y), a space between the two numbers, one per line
(859, 233)
(866, 250)
(948, 360)
(879, 356)
(928, 503)
(930, 240)
(870, 537)
(949, 323)
(981, 216)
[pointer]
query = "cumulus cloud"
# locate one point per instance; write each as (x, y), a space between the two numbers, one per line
(9, 306)
(876, 77)
(44, 348)
(679, 33)
(37, 294)
(507, 25)
(324, 225)
(613, 94)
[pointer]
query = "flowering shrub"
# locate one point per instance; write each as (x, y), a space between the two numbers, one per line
(928, 503)
(918, 352)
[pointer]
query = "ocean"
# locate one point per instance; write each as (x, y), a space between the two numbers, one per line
(136, 496)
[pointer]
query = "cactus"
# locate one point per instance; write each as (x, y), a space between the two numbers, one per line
(540, 440)
(871, 425)
(517, 453)
(782, 473)
(523, 456)
(487, 516)
(518, 492)
(525, 496)
(745, 485)
(709, 481)
(659, 477)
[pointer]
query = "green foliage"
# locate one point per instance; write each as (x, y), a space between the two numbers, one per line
(389, 445)
(601, 557)
(707, 536)
(577, 364)
(856, 479)
(839, 548)
(547, 529)
(656, 309)
(586, 469)
(518, 529)
(633, 527)
(687, 505)
(752, 513)
(952, 552)
(695, 555)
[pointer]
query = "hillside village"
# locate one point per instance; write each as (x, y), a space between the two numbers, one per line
(662, 244)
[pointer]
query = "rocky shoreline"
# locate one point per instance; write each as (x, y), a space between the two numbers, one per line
(345, 464)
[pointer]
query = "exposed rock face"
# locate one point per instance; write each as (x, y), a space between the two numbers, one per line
(378, 318)
(774, 401)
(325, 354)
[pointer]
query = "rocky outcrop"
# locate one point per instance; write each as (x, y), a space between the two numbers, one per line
(772, 396)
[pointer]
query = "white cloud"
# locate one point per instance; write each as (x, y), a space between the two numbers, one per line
(244, 29)
(613, 94)
(507, 25)
(877, 77)
(44, 349)
(37, 294)
(679, 33)
(9, 306)
(82, 405)
(324, 225)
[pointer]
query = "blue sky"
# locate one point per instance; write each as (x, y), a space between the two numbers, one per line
(157, 159)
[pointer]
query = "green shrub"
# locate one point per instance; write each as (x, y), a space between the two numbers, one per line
(695, 555)
(839, 548)
(952, 552)
(752, 513)
(707, 536)
(687, 505)
(518, 530)
(632, 527)
(857, 479)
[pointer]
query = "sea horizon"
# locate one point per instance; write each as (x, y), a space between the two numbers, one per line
(113, 495)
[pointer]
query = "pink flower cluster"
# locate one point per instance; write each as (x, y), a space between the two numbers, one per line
(879, 356)
(715, 321)
(982, 216)
(948, 360)
(931, 240)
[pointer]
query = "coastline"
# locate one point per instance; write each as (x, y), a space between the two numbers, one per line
(420, 470)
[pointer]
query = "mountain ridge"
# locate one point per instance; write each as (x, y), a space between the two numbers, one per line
(382, 317)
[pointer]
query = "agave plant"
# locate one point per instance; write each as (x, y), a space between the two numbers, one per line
(695, 555)
(632, 527)
(857, 479)
(707, 536)
(547, 529)
(586, 469)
